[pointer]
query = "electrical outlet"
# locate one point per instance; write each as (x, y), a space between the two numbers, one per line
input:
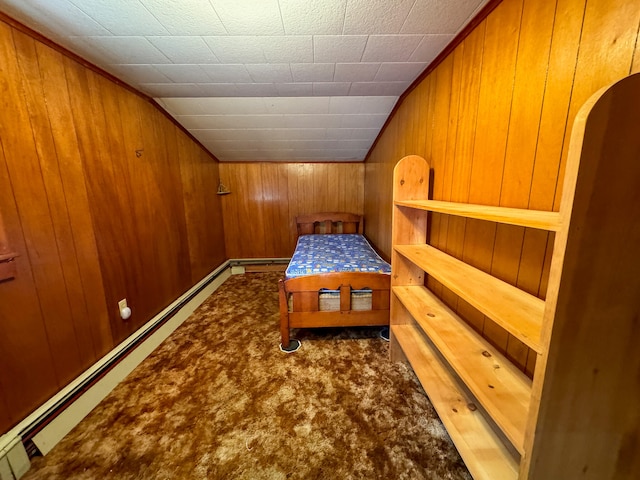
(122, 304)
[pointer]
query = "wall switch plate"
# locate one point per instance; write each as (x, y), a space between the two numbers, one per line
(122, 304)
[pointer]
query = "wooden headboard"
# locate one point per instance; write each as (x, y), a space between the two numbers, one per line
(329, 222)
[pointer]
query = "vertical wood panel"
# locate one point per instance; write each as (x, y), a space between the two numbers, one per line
(37, 223)
(520, 76)
(92, 222)
(266, 198)
(203, 208)
(466, 57)
(609, 36)
(530, 79)
(27, 376)
(63, 132)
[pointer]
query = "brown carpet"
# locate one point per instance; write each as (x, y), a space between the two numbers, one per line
(218, 400)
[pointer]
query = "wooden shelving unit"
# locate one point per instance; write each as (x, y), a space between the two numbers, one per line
(516, 311)
(511, 216)
(577, 417)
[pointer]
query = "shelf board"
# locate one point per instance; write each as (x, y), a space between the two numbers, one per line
(513, 309)
(502, 390)
(483, 451)
(513, 216)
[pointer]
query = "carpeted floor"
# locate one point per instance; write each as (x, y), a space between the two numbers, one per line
(218, 400)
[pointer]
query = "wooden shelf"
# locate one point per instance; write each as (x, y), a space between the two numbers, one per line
(502, 390)
(481, 448)
(513, 309)
(513, 216)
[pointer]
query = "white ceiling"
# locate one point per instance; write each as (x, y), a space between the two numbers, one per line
(253, 80)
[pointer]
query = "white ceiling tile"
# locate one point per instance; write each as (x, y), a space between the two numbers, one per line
(365, 105)
(313, 121)
(398, 72)
(390, 48)
(122, 50)
(211, 137)
(430, 47)
(363, 121)
(227, 73)
(122, 17)
(378, 88)
(356, 72)
(437, 16)
(236, 50)
(186, 17)
(231, 145)
(301, 105)
(61, 19)
(183, 73)
(291, 49)
(297, 133)
(353, 133)
(184, 49)
(232, 106)
(298, 89)
(218, 89)
(138, 73)
(357, 144)
(248, 17)
(209, 122)
(338, 49)
(180, 106)
(266, 73)
(312, 72)
(375, 16)
(256, 89)
(171, 89)
(315, 17)
(330, 89)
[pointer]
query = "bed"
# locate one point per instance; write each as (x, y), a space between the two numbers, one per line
(334, 279)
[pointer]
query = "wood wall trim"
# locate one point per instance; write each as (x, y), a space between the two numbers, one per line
(458, 39)
(87, 64)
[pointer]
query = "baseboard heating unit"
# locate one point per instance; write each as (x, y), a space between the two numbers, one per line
(52, 421)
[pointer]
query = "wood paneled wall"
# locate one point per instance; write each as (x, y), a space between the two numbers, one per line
(494, 120)
(103, 198)
(260, 211)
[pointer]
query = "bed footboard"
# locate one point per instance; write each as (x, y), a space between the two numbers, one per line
(306, 313)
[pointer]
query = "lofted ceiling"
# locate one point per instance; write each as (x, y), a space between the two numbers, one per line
(261, 80)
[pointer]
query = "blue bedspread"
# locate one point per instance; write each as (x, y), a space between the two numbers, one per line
(334, 253)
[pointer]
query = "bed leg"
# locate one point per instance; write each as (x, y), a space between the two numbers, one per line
(287, 345)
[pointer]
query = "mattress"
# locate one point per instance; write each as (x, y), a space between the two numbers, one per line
(340, 252)
(317, 254)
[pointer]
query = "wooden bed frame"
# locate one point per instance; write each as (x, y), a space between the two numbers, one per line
(305, 289)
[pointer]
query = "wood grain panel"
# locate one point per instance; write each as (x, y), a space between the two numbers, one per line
(51, 174)
(56, 97)
(607, 45)
(518, 80)
(37, 222)
(467, 90)
(266, 197)
(494, 111)
(530, 78)
(203, 208)
(94, 199)
(27, 376)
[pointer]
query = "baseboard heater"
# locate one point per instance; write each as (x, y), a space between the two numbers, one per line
(21, 441)
(242, 265)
